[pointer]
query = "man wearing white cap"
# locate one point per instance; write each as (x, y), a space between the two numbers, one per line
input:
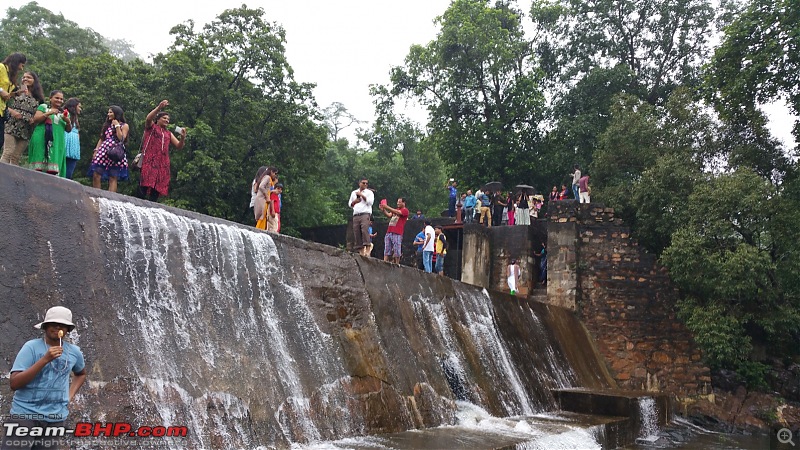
(41, 381)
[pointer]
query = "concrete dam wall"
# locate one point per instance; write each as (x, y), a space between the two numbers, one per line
(253, 339)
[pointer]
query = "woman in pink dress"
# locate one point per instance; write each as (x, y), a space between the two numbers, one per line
(155, 153)
(512, 208)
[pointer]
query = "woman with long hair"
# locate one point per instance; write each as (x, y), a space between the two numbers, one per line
(155, 153)
(10, 68)
(263, 187)
(115, 129)
(254, 186)
(511, 208)
(523, 210)
(73, 139)
(18, 127)
(46, 149)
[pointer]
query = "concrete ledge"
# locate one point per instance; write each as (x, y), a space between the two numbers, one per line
(616, 403)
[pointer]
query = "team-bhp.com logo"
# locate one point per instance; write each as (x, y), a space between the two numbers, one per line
(96, 429)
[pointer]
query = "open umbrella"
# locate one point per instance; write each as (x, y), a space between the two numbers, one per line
(528, 190)
(493, 186)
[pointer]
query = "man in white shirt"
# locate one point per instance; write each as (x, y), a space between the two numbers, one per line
(361, 201)
(428, 247)
(576, 176)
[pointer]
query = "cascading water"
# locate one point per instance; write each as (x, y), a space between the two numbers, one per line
(198, 285)
(649, 420)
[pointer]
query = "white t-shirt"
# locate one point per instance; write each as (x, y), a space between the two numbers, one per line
(363, 206)
(430, 237)
(253, 193)
(576, 176)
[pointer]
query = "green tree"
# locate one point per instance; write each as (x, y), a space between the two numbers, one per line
(402, 163)
(758, 61)
(661, 42)
(649, 160)
(234, 88)
(479, 82)
(735, 259)
(46, 38)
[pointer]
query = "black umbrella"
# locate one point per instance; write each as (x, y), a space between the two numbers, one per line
(494, 186)
(528, 190)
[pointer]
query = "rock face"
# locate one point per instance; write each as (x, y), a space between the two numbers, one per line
(252, 339)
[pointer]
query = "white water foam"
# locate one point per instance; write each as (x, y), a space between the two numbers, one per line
(183, 273)
(649, 418)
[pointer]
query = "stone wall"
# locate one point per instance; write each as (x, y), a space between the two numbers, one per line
(487, 253)
(254, 339)
(625, 298)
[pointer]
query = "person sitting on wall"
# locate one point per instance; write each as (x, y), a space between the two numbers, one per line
(564, 194)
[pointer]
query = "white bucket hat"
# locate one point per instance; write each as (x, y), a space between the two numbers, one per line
(57, 314)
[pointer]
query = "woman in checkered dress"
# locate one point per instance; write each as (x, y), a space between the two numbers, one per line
(115, 129)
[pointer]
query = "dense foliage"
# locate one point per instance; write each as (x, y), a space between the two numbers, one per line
(670, 129)
(231, 85)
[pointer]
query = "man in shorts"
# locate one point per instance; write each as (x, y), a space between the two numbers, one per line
(393, 242)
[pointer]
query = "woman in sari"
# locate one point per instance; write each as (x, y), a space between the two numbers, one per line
(47, 147)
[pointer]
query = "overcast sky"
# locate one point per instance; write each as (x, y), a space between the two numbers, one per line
(343, 46)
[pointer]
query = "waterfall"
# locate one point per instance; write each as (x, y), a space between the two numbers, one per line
(219, 290)
(649, 419)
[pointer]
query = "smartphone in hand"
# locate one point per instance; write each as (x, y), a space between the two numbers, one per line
(383, 202)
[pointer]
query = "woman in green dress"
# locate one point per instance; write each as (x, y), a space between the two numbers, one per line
(47, 148)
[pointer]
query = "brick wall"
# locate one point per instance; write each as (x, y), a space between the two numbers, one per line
(625, 298)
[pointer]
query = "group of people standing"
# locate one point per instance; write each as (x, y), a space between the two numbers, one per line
(266, 198)
(49, 128)
(496, 208)
(431, 244)
(361, 202)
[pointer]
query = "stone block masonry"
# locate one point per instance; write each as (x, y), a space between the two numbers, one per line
(625, 298)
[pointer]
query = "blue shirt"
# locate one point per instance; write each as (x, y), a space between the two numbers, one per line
(47, 395)
(485, 200)
(453, 192)
(420, 237)
(470, 201)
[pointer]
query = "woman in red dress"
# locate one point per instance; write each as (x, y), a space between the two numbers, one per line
(155, 153)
